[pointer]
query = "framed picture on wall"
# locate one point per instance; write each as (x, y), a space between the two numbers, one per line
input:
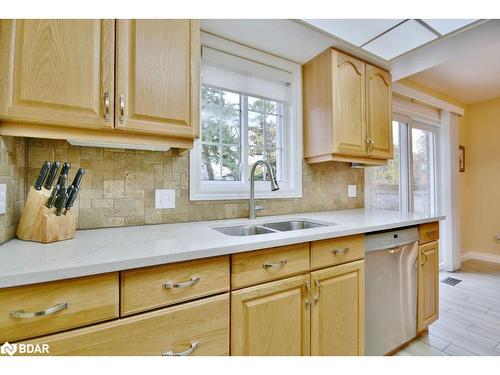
(461, 159)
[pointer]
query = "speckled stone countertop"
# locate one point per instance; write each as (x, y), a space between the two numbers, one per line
(113, 249)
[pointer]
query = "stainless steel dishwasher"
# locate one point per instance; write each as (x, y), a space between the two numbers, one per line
(391, 289)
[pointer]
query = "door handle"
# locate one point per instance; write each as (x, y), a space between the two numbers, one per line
(122, 109)
(106, 107)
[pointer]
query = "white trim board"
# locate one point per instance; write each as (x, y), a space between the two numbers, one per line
(412, 93)
(478, 255)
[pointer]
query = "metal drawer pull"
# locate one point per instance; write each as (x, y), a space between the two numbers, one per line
(122, 109)
(106, 107)
(21, 314)
(266, 266)
(341, 251)
(425, 259)
(318, 286)
(185, 284)
(194, 345)
(308, 293)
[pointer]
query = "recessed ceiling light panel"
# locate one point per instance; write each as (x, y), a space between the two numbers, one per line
(401, 39)
(447, 26)
(356, 32)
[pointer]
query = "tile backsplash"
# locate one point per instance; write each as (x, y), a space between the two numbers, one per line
(118, 187)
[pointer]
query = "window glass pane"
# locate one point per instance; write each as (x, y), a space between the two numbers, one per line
(256, 128)
(210, 162)
(262, 105)
(220, 134)
(382, 183)
(422, 170)
(231, 163)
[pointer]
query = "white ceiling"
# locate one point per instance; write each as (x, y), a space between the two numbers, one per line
(388, 38)
(471, 78)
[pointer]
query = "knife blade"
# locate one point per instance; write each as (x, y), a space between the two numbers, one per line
(64, 171)
(78, 177)
(52, 175)
(71, 198)
(42, 175)
(53, 196)
(61, 203)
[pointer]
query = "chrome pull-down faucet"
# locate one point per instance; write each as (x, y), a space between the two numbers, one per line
(274, 184)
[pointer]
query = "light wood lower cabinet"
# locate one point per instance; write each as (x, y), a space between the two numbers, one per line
(337, 314)
(193, 328)
(40, 309)
(428, 285)
(271, 319)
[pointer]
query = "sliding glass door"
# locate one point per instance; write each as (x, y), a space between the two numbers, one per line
(408, 182)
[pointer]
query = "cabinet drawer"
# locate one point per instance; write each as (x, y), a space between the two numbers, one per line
(428, 232)
(152, 287)
(334, 251)
(197, 328)
(39, 309)
(256, 267)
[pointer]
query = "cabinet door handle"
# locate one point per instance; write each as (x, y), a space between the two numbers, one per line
(194, 345)
(122, 109)
(341, 251)
(106, 107)
(308, 293)
(21, 314)
(318, 286)
(171, 285)
(282, 263)
(372, 144)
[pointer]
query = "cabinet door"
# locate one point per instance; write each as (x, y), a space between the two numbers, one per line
(57, 71)
(272, 318)
(194, 328)
(158, 68)
(337, 315)
(349, 106)
(428, 285)
(379, 112)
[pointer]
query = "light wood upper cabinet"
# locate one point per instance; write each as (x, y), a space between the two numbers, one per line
(379, 120)
(337, 315)
(271, 319)
(57, 71)
(347, 110)
(158, 77)
(428, 285)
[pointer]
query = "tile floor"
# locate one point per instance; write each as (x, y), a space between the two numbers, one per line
(469, 322)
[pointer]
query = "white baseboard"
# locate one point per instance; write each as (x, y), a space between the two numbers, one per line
(478, 255)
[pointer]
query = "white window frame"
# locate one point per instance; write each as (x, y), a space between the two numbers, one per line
(291, 158)
(407, 124)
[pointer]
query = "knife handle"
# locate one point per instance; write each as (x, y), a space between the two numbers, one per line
(53, 196)
(61, 204)
(62, 180)
(52, 175)
(64, 171)
(43, 174)
(71, 197)
(78, 177)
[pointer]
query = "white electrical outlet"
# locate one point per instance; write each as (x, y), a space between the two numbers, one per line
(352, 191)
(165, 198)
(3, 198)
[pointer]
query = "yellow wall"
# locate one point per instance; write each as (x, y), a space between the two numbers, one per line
(481, 181)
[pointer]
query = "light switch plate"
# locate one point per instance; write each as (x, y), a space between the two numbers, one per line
(352, 191)
(3, 198)
(165, 198)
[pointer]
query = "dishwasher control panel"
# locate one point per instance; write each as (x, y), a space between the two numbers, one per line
(391, 238)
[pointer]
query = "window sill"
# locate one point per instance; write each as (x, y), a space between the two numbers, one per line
(226, 196)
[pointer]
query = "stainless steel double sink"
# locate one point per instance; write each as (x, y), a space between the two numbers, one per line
(274, 227)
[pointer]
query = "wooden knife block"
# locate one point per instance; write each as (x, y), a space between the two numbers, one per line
(41, 224)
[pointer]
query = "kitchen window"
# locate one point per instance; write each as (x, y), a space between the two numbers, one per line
(250, 110)
(408, 182)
